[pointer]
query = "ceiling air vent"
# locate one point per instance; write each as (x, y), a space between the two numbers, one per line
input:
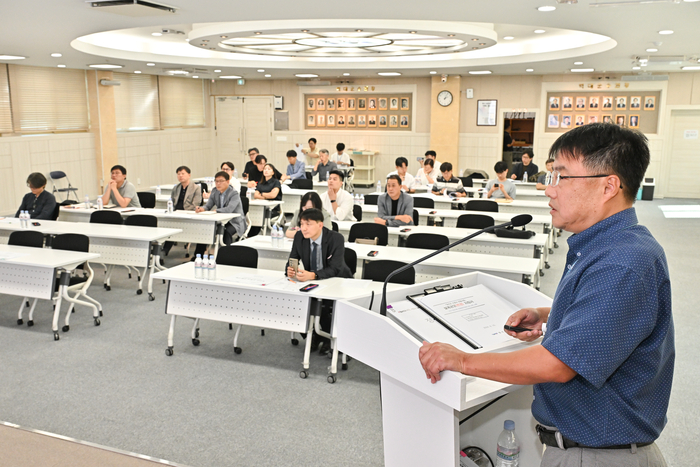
(133, 8)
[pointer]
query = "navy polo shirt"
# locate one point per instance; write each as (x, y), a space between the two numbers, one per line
(611, 323)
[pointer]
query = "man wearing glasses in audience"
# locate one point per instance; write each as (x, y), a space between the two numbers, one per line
(40, 204)
(227, 200)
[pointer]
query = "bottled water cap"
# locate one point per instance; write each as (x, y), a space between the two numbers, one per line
(509, 425)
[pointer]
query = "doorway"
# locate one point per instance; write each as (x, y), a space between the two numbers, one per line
(684, 161)
(518, 136)
(243, 123)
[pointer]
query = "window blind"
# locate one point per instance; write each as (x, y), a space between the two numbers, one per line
(5, 111)
(48, 100)
(136, 102)
(181, 102)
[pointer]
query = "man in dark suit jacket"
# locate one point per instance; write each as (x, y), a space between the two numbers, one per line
(328, 261)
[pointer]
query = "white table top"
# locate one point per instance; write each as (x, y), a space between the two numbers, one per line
(207, 216)
(265, 202)
(44, 257)
(286, 190)
(497, 216)
(122, 232)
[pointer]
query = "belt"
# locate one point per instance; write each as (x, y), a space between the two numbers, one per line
(555, 439)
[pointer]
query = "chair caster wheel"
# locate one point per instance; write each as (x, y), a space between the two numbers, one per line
(97, 321)
(55, 336)
(139, 278)
(551, 251)
(169, 351)
(30, 323)
(139, 292)
(151, 297)
(108, 287)
(303, 374)
(547, 266)
(295, 341)
(262, 332)
(187, 255)
(331, 379)
(129, 275)
(344, 366)
(195, 342)
(65, 328)
(104, 285)
(556, 245)
(26, 304)
(238, 350)
(20, 321)
(230, 326)
(101, 313)
(541, 273)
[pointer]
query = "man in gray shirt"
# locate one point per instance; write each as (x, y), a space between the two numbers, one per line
(323, 166)
(501, 187)
(120, 192)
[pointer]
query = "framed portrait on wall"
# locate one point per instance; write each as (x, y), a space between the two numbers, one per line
(404, 121)
(311, 120)
(553, 103)
(634, 121)
(607, 102)
(620, 103)
(331, 120)
(393, 121)
(372, 103)
(567, 103)
(593, 102)
(321, 104)
(341, 119)
(341, 103)
(382, 103)
(321, 120)
(331, 104)
(566, 121)
(351, 103)
(649, 102)
(592, 119)
(382, 121)
(607, 119)
(553, 121)
(580, 103)
(620, 119)
(351, 120)
(372, 120)
(635, 102)
(361, 103)
(361, 120)
(404, 103)
(394, 103)
(580, 120)
(311, 104)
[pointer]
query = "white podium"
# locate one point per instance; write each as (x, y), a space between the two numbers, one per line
(421, 421)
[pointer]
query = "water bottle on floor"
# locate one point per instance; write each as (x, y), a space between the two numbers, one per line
(212, 268)
(508, 447)
(198, 267)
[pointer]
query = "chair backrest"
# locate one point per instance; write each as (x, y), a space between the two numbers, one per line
(71, 242)
(351, 260)
(245, 204)
(371, 199)
(485, 205)
(57, 174)
(302, 184)
(467, 182)
(421, 202)
(357, 212)
(378, 271)
(335, 226)
(68, 202)
(427, 241)
(56, 212)
(309, 176)
(106, 217)
(416, 217)
(142, 220)
(147, 199)
(244, 191)
(475, 221)
(30, 238)
(369, 230)
(205, 187)
(238, 255)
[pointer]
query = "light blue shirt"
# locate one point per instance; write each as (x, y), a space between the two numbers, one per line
(298, 170)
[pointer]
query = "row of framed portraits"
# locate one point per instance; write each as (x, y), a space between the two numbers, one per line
(360, 120)
(358, 103)
(570, 121)
(612, 103)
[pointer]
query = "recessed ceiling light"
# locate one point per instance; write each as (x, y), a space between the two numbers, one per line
(150, 64)
(56, 55)
(217, 71)
(452, 35)
(546, 8)
(652, 50)
(539, 31)
(666, 32)
(508, 38)
(61, 66)
(358, 30)
(261, 71)
(229, 77)
(475, 39)
(473, 48)
(480, 72)
(223, 37)
(205, 40)
(178, 72)
(643, 60)
(411, 32)
(482, 43)
(582, 70)
(195, 76)
(578, 63)
(268, 76)
(529, 70)
(106, 66)
(258, 33)
(137, 72)
(636, 68)
(690, 68)
(306, 75)
(304, 30)
(433, 72)
(11, 57)
(156, 34)
(389, 73)
(346, 74)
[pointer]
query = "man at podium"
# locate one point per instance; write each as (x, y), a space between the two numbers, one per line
(602, 374)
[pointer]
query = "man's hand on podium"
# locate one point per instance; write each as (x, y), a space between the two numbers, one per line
(439, 357)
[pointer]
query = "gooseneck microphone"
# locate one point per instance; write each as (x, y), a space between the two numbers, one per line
(517, 221)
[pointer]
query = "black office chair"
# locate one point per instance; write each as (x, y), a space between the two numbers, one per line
(416, 217)
(302, 184)
(474, 221)
(205, 187)
(485, 205)
(427, 241)
(28, 238)
(335, 226)
(147, 199)
(378, 271)
(467, 182)
(422, 202)
(106, 217)
(369, 230)
(351, 260)
(244, 192)
(142, 220)
(357, 212)
(371, 199)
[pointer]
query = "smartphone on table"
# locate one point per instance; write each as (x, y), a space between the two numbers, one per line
(306, 288)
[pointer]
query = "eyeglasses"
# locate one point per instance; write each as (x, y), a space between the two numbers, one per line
(220, 180)
(554, 178)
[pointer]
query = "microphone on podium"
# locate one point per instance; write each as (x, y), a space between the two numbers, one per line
(517, 221)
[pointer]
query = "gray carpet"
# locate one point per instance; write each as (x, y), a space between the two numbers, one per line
(208, 407)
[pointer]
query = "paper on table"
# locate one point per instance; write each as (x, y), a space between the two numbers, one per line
(5, 255)
(248, 279)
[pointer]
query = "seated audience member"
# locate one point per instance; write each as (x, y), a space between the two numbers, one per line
(336, 201)
(408, 183)
(447, 184)
(227, 167)
(436, 163)
(526, 166)
(312, 152)
(186, 196)
(501, 187)
(269, 187)
(341, 158)
(428, 173)
(39, 203)
(323, 165)
(257, 175)
(296, 168)
(120, 191)
(321, 252)
(225, 199)
(250, 165)
(308, 201)
(394, 208)
(542, 181)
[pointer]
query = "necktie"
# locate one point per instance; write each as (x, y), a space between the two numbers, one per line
(314, 257)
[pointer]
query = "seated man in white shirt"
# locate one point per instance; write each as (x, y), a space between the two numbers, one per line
(427, 174)
(501, 187)
(543, 180)
(408, 183)
(336, 201)
(341, 158)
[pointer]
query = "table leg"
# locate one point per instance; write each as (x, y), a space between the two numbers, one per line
(171, 333)
(155, 254)
(307, 349)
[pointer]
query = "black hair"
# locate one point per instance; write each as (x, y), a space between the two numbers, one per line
(120, 168)
(550, 160)
(506, 125)
(36, 180)
(500, 167)
(429, 162)
(314, 198)
(183, 167)
(229, 164)
(340, 147)
(222, 174)
(401, 161)
(313, 139)
(605, 148)
(274, 170)
(339, 173)
(312, 214)
(291, 153)
(431, 153)
(529, 153)
(260, 158)
(445, 167)
(394, 177)
(253, 149)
